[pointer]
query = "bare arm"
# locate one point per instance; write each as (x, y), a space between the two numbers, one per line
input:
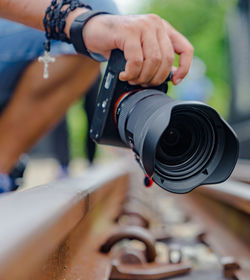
(28, 12)
(149, 42)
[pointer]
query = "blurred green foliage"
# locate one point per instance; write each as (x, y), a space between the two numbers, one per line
(77, 127)
(203, 22)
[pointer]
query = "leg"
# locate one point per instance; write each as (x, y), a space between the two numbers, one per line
(37, 104)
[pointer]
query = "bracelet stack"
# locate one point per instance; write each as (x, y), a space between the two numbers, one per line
(55, 20)
(54, 23)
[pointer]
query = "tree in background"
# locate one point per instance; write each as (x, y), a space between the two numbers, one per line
(203, 22)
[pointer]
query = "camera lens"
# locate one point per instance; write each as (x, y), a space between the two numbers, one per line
(186, 145)
(179, 144)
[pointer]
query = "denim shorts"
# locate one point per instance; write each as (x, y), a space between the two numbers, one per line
(20, 45)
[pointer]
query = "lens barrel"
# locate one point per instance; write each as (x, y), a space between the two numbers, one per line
(180, 144)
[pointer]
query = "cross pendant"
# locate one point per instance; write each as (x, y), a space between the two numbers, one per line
(46, 59)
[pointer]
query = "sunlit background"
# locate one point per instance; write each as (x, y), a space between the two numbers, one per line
(129, 6)
(205, 24)
(219, 32)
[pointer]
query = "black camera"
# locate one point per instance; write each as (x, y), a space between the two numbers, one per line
(180, 145)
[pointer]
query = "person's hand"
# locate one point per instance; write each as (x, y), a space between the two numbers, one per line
(149, 44)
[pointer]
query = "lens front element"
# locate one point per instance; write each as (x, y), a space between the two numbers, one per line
(186, 145)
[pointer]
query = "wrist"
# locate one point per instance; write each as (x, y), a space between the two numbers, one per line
(101, 28)
(92, 31)
(71, 17)
(78, 39)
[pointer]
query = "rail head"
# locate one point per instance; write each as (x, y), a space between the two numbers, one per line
(47, 213)
(241, 172)
(231, 192)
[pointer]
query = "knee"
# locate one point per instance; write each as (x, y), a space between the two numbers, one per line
(69, 74)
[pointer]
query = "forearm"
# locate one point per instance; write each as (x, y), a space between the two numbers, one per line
(31, 13)
(149, 43)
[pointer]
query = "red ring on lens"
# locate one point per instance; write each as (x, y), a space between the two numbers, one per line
(117, 103)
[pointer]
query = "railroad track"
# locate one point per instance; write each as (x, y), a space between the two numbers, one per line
(106, 225)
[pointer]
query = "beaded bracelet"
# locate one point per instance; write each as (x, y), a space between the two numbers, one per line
(54, 23)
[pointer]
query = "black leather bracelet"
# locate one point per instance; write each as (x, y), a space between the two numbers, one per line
(76, 33)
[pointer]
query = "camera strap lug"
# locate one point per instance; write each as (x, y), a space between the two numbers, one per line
(148, 182)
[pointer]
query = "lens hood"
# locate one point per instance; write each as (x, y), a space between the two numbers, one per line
(203, 149)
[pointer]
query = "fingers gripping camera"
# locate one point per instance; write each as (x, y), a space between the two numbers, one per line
(180, 145)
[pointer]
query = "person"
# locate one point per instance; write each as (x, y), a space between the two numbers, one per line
(149, 44)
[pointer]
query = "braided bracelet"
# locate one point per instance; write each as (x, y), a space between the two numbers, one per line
(54, 23)
(55, 18)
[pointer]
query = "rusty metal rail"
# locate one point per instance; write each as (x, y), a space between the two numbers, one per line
(241, 172)
(34, 224)
(223, 211)
(81, 228)
(234, 193)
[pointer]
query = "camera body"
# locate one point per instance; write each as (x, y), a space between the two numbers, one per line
(179, 144)
(104, 126)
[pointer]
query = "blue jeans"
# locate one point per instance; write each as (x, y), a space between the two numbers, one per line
(20, 45)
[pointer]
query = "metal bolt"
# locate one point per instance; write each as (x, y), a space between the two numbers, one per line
(104, 104)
